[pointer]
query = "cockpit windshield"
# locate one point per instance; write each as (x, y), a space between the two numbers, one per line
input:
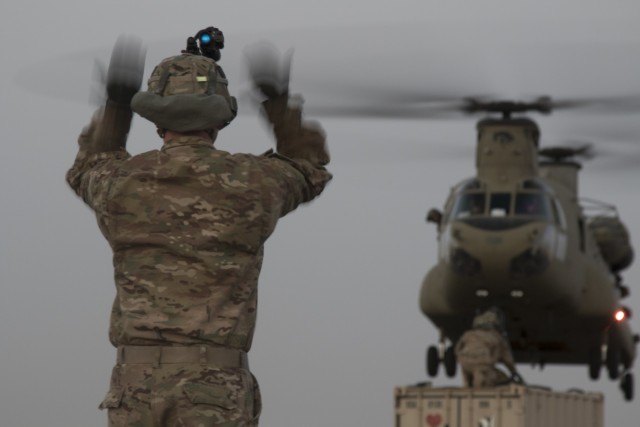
(530, 204)
(533, 204)
(500, 204)
(468, 204)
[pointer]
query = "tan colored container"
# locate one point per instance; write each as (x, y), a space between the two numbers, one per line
(506, 406)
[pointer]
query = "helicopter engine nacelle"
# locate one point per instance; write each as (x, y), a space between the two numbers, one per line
(613, 240)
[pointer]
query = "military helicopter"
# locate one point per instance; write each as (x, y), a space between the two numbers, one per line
(517, 236)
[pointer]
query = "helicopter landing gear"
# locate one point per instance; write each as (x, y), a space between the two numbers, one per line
(595, 363)
(626, 385)
(444, 355)
(433, 361)
(613, 362)
(450, 362)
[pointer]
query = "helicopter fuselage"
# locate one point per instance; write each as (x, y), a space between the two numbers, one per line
(515, 236)
(557, 303)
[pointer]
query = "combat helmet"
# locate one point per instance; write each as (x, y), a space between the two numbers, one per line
(186, 93)
(489, 319)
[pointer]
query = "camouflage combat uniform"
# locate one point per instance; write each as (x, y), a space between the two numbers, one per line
(187, 224)
(478, 351)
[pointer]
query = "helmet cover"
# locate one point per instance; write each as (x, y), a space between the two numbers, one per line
(186, 93)
(490, 319)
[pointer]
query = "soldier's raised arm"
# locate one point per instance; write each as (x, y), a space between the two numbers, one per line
(102, 144)
(300, 145)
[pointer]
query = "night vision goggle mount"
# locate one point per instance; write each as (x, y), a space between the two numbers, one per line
(207, 42)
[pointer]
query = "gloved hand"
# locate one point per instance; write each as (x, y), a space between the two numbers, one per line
(295, 138)
(268, 71)
(126, 69)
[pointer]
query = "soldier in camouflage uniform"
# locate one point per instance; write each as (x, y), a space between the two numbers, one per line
(479, 349)
(187, 225)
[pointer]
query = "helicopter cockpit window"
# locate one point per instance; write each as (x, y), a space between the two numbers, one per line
(468, 204)
(503, 210)
(500, 204)
(471, 184)
(533, 204)
(533, 184)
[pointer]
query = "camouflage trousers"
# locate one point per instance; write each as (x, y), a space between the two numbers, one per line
(184, 395)
(482, 375)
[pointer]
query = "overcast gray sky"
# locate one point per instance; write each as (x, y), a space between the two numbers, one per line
(338, 323)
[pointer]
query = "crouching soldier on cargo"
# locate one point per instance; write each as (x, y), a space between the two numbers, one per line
(481, 348)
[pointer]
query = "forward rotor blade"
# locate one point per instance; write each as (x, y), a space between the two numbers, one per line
(387, 111)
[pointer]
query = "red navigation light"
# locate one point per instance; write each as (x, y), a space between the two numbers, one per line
(620, 315)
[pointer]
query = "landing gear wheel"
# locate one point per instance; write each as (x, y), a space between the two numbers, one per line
(613, 362)
(595, 363)
(626, 384)
(433, 361)
(450, 364)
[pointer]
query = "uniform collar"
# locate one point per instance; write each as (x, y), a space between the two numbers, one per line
(182, 141)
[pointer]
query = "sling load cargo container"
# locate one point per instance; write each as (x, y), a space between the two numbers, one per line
(511, 405)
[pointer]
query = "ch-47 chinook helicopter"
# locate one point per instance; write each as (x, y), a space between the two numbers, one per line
(517, 236)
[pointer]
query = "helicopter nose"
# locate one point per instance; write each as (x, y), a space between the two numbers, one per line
(464, 263)
(528, 263)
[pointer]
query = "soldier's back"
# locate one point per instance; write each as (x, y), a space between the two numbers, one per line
(187, 225)
(479, 346)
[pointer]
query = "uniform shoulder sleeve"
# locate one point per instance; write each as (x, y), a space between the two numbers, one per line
(91, 177)
(95, 164)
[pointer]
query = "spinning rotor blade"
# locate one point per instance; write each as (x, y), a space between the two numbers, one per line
(559, 153)
(617, 148)
(416, 105)
(606, 104)
(384, 111)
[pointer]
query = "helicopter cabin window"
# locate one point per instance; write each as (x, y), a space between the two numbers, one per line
(469, 204)
(533, 184)
(534, 205)
(500, 204)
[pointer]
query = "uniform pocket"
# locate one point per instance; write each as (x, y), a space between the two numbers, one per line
(210, 394)
(257, 399)
(113, 399)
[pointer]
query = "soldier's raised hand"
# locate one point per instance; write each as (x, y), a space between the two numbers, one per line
(126, 69)
(268, 69)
